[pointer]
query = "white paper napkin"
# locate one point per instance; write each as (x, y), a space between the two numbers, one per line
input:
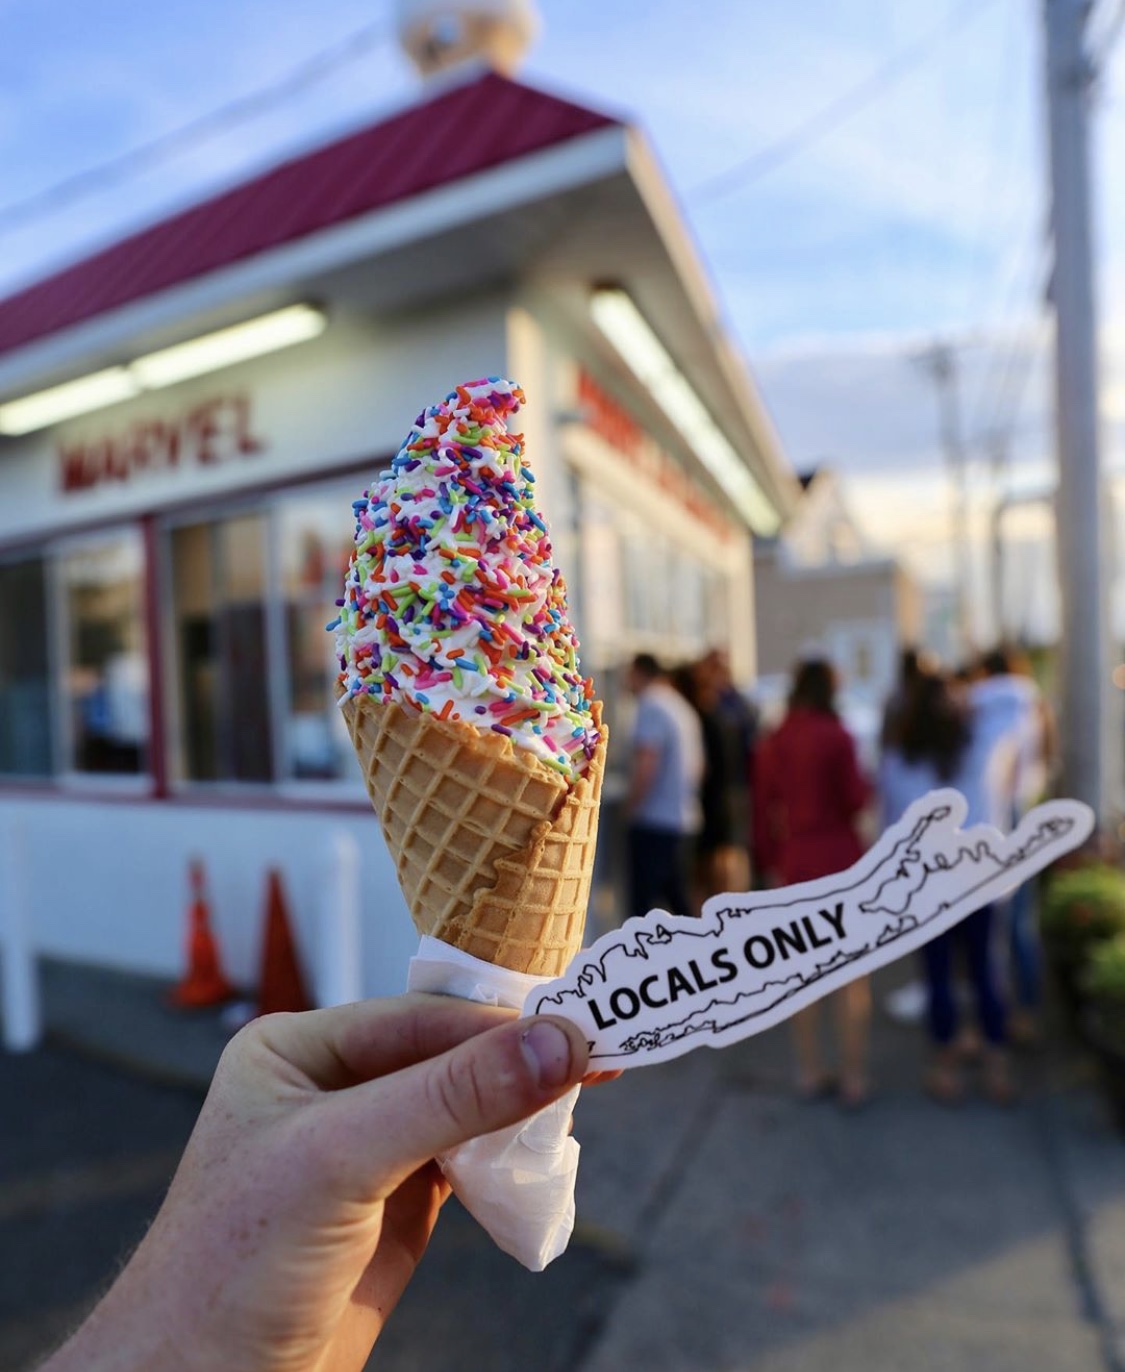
(518, 1182)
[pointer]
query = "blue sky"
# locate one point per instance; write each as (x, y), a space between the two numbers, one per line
(895, 221)
(919, 215)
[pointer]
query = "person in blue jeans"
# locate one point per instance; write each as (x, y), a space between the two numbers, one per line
(935, 745)
(1016, 731)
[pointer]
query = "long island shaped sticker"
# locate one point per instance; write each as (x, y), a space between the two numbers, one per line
(663, 984)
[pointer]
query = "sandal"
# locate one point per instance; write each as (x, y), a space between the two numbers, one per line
(997, 1081)
(855, 1094)
(816, 1088)
(968, 1045)
(943, 1082)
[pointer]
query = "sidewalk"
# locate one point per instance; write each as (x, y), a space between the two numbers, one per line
(792, 1236)
(725, 1227)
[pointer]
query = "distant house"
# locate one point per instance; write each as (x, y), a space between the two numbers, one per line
(819, 590)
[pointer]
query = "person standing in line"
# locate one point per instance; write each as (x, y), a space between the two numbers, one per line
(912, 665)
(938, 746)
(722, 854)
(738, 729)
(663, 807)
(1013, 735)
(906, 1003)
(809, 794)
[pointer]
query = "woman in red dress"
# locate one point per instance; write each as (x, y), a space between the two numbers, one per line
(809, 793)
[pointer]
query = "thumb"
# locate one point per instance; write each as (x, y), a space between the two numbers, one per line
(493, 1080)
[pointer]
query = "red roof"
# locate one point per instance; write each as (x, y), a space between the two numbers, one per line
(465, 130)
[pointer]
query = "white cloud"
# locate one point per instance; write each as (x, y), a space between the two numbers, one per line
(869, 405)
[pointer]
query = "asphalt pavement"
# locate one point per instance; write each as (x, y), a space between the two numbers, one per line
(722, 1225)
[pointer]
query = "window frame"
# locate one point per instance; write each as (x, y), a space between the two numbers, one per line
(39, 552)
(63, 774)
(163, 776)
(268, 504)
(349, 788)
(58, 656)
(209, 514)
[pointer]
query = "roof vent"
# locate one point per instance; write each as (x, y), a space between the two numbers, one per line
(440, 34)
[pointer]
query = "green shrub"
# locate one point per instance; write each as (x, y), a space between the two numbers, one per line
(1080, 909)
(1103, 985)
(1104, 978)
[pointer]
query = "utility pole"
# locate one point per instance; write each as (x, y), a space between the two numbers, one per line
(941, 364)
(1084, 676)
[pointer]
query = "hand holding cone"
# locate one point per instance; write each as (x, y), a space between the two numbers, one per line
(483, 753)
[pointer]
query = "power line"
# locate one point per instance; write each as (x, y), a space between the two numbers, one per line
(940, 362)
(832, 115)
(1007, 378)
(997, 169)
(1012, 386)
(94, 179)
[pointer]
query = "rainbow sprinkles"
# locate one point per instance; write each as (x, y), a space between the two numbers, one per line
(452, 602)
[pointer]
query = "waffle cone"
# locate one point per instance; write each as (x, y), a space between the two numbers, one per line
(494, 850)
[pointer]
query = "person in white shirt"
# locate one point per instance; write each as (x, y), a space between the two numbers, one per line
(1013, 736)
(663, 805)
(938, 743)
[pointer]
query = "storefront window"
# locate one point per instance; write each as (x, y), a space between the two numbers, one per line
(315, 539)
(642, 571)
(675, 604)
(255, 669)
(25, 693)
(106, 677)
(219, 581)
(602, 628)
(717, 615)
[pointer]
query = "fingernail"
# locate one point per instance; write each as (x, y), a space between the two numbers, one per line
(547, 1050)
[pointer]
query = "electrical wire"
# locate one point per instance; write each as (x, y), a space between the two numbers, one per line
(1006, 373)
(829, 117)
(1012, 393)
(996, 169)
(1005, 384)
(317, 68)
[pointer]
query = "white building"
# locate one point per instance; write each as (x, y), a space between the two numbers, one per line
(819, 590)
(175, 502)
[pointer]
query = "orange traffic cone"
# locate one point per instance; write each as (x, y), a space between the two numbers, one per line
(204, 983)
(282, 986)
